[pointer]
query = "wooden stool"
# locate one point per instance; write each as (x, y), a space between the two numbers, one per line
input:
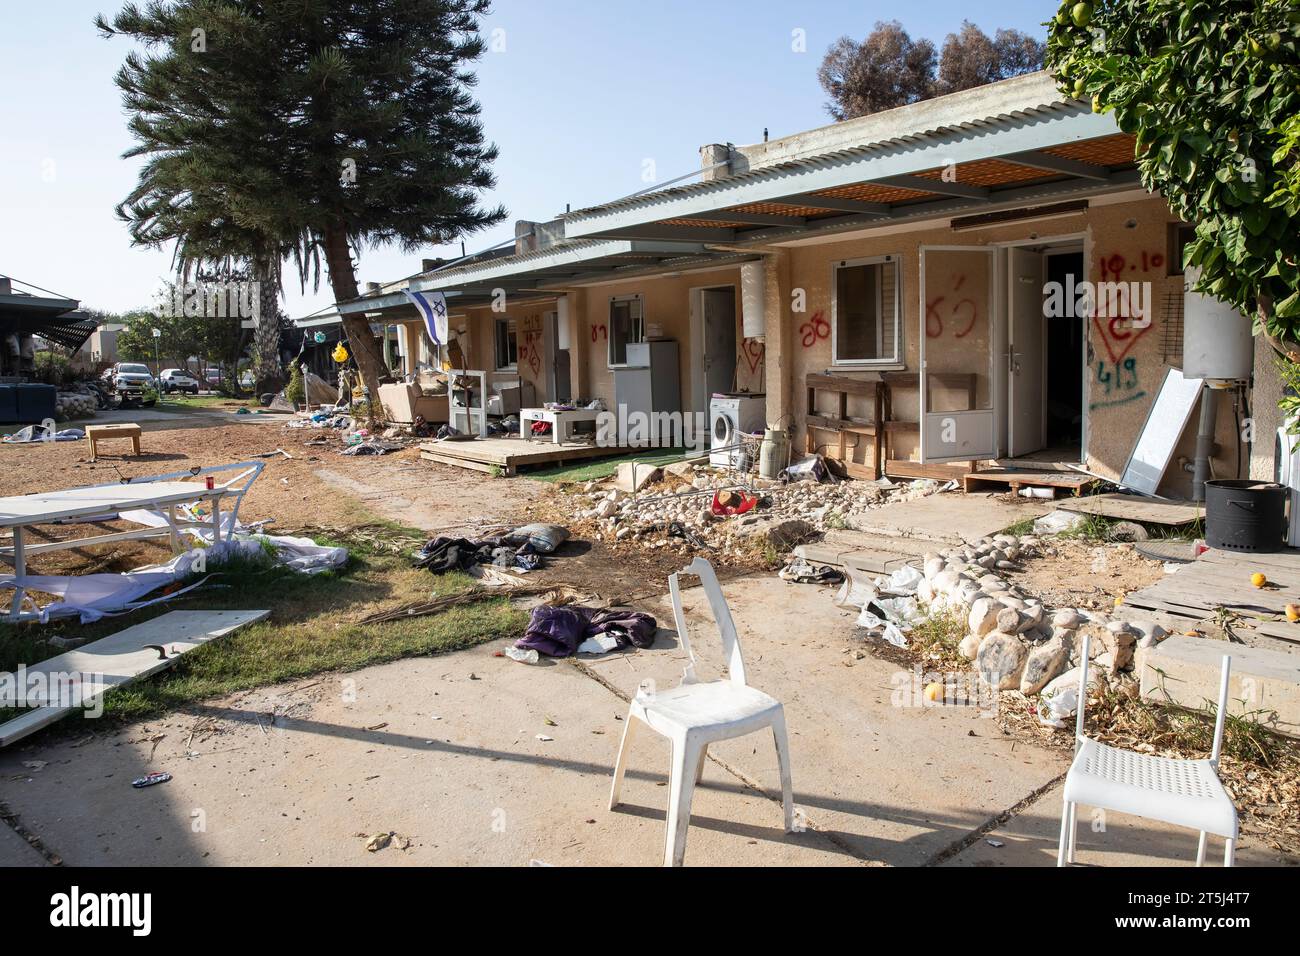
(98, 433)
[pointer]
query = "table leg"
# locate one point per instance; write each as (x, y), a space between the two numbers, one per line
(171, 523)
(20, 572)
(523, 427)
(216, 521)
(557, 434)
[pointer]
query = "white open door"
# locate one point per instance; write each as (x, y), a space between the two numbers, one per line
(1026, 423)
(957, 394)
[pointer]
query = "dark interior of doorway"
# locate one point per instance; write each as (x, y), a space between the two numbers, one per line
(1064, 378)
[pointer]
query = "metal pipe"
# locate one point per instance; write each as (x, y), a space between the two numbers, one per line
(1205, 446)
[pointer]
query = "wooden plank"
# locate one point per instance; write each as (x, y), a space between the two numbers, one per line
(482, 466)
(841, 383)
(1136, 508)
(856, 425)
(914, 469)
(114, 661)
(1015, 480)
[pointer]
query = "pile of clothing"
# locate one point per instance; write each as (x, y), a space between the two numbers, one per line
(564, 631)
(521, 549)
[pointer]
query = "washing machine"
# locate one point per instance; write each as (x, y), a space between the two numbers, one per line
(730, 416)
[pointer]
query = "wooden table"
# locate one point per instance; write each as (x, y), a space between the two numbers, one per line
(123, 430)
(82, 505)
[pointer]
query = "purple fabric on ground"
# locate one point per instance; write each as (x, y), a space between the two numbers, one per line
(557, 631)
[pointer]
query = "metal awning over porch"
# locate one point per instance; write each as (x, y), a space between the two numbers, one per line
(543, 273)
(53, 318)
(934, 159)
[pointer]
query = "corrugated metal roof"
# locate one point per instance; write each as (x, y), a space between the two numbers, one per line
(835, 157)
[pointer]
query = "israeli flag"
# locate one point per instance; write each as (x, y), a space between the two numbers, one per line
(433, 307)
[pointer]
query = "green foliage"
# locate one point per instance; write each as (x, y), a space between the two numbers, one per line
(1209, 89)
(53, 368)
(294, 127)
(296, 390)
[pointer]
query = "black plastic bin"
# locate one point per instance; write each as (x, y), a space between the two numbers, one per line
(1244, 515)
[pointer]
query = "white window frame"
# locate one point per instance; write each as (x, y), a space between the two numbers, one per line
(497, 325)
(609, 319)
(897, 360)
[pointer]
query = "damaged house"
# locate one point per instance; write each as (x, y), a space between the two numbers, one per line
(971, 281)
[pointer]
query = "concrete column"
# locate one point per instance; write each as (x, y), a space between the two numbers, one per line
(779, 338)
(574, 315)
(1264, 399)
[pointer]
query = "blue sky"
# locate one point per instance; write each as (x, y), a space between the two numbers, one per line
(579, 96)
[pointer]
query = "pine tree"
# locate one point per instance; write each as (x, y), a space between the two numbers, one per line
(323, 126)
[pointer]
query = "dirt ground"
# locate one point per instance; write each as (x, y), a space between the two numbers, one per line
(1086, 574)
(321, 491)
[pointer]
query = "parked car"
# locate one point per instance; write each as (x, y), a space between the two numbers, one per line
(177, 380)
(133, 384)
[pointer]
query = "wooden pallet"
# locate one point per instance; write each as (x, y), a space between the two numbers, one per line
(1015, 480)
(899, 468)
(1222, 579)
(1137, 508)
(507, 455)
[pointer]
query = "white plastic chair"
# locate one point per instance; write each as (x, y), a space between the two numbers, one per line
(1183, 792)
(696, 714)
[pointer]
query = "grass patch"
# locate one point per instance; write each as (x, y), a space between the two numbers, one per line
(594, 470)
(940, 632)
(1099, 528)
(312, 628)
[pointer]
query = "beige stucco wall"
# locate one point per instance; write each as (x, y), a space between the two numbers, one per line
(667, 313)
(1130, 237)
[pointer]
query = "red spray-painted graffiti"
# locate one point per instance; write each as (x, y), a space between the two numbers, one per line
(1119, 333)
(1112, 268)
(531, 351)
(961, 309)
(598, 330)
(754, 353)
(815, 330)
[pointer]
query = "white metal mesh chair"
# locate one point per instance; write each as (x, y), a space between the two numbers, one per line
(698, 713)
(1183, 792)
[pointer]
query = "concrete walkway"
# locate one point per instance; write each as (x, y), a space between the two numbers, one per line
(445, 751)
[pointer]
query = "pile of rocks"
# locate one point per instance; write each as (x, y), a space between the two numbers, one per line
(1015, 641)
(73, 405)
(786, 513)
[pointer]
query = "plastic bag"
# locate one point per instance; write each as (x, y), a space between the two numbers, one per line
(1058, 521)
(544, 538)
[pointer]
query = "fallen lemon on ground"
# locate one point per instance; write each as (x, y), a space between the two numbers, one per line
(1258, 579)
(934, 692)
(1292, 613)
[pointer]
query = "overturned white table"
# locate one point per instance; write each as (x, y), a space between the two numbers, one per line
(81, 505)
(562, 421)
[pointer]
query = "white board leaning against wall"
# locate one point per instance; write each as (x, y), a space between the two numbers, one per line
(1161, 431)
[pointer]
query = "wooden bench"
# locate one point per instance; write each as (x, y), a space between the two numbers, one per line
(98, 433)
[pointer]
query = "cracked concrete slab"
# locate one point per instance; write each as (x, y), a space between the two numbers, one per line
(443, 751)
(891, 782)
(15, 851)
(1104, 839)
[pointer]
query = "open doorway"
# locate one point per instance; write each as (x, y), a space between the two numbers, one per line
(713, 337)
(1064, 385)
(1046, 354)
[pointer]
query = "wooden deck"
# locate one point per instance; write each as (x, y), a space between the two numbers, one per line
(1137, 508)
(1222, 579)
(508, 455)
(1015, 479)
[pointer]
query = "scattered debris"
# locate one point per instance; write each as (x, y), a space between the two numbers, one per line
(151, 780)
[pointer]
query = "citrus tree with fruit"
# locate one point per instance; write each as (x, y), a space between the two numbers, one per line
(1210, 89)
